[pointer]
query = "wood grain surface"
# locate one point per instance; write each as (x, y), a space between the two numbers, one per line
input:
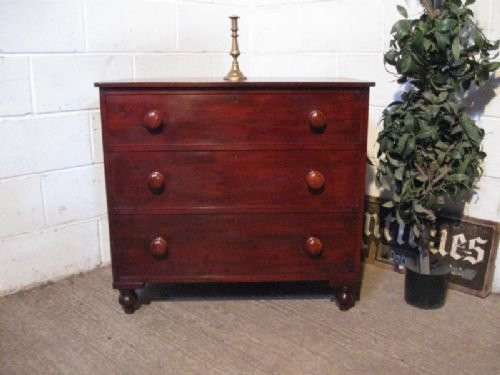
(216, 182)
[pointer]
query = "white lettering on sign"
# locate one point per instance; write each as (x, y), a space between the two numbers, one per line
(478, 251)
(389, 219)
(460, 249)
(442, 242)
(368, 224)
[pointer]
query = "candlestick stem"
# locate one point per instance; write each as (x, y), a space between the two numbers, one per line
(235, 73)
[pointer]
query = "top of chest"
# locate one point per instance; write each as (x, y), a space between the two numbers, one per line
(254, 84)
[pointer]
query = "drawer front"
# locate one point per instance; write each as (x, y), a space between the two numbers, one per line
(196, 119)
(204, 246)
(279, 180)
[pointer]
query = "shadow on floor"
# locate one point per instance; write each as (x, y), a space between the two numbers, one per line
(235, 291)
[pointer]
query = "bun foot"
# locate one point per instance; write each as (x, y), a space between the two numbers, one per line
(346, 297)
(128, 299)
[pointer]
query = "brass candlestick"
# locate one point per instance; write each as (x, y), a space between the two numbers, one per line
(235, 74)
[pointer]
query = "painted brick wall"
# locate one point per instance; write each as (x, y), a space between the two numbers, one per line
(52, 200)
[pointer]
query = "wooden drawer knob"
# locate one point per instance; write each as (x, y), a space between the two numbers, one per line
(158, 247)
(152, 119)
(315, 180)
(314, 246)
(156, 180)
(317, 119)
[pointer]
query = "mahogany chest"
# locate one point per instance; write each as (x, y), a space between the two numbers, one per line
(215, 181)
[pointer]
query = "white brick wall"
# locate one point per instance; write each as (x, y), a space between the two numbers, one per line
(21, 215)
(153, 66)
(275, 29)
(52, 202)
(342, 26)
(15, 96)
(83, 196)
(61, 83)
(204, 27)
(49, 254)
(495, 20)
(299, 65)
(369, 67)
(42, 143)
(491, 128)
(41, 26)
(96, 136)
(130, 25)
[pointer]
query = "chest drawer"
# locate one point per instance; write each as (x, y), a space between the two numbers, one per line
(236, 118)
(218, 180)
(197, 246)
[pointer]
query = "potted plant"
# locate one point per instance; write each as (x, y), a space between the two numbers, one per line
(430, 149)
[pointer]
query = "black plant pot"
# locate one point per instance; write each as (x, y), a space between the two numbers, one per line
(427, 291)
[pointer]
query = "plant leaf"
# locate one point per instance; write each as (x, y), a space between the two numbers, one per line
(393, 162)
(427, 44)
(457, 178)
(402, 11)
(399, 218)
(454, 107)
(416, 231)
(470, 128)
(390, 57)
(410, 146)
(442, 96)
(395, 198)
(405, 64)
(441, 145)
(388, 204)
(401, 28)
(455, 48)
(442, 41)
(430, 96)
(422, 178)
(409, 121)
(426, 132)
(446, 24)
(402, 143)
(398, 175)
(428, 213)
(493, 66)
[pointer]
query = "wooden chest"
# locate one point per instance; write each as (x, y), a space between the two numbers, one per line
(235, 182)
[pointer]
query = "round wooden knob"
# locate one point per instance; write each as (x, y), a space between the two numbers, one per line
(315, 180)
(317, 119)
(313, 246)
(156, 180)
(158, 246)
(152, 119)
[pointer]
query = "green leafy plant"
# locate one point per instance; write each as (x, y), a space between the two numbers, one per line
(430, 149)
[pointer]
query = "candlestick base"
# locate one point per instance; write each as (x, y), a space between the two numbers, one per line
(235, 74)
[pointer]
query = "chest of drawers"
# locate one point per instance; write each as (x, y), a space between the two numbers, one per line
(235, 182)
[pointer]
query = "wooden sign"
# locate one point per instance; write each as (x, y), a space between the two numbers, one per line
(468, 245)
